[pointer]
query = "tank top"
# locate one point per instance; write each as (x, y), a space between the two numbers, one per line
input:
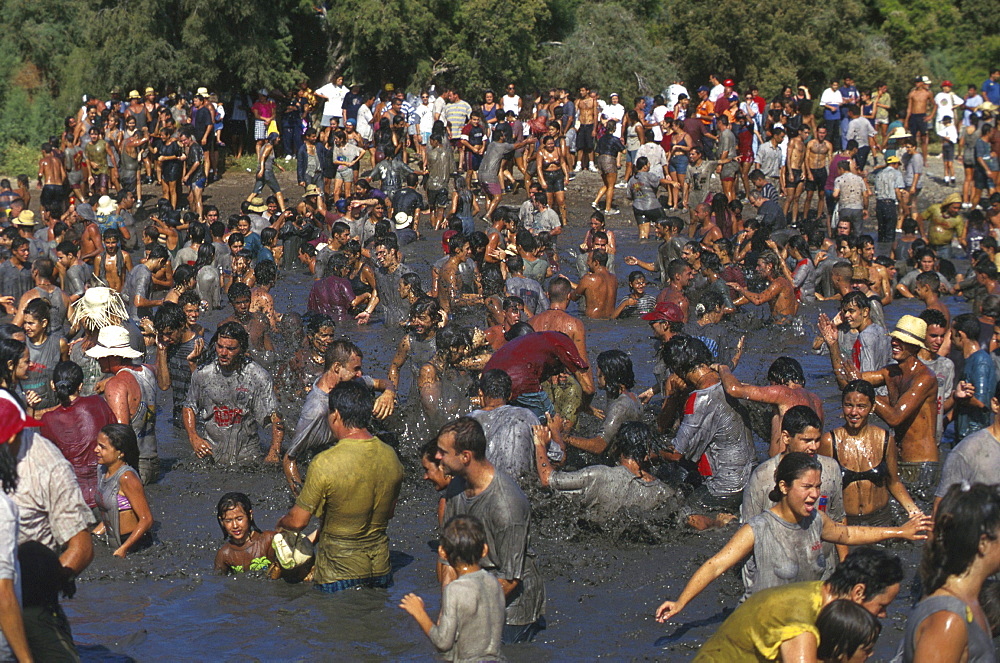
(357, 284)
(878, 475)
(421, 352)
(43, 357)
(57, 311)
(785, 552)
(106, 497)
(465, 203)
(144, 420)
(980, 643)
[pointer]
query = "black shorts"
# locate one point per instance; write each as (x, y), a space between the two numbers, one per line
(918, 124)
(948, 150)
(438, 198)
(793, 178)
(818, 181)
(647, 215)
(53, 197)
(555, 181)
(585, 138)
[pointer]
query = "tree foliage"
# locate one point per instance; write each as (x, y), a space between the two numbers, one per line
(57, 50)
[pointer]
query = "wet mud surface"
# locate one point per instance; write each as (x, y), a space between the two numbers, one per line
(603, 580)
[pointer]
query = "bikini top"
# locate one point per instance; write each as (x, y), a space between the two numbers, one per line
(878, 475)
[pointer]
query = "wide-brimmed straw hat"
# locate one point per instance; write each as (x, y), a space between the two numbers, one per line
(911, 329)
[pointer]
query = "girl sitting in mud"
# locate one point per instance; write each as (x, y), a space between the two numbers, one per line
(247, 548)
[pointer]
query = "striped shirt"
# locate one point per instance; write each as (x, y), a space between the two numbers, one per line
(457, 114)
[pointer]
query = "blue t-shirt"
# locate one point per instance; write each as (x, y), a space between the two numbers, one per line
(991, 89)
(981, 372)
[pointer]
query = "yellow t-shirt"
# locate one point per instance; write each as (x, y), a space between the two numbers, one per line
(757, 629)
(352, 488)
(942, 229)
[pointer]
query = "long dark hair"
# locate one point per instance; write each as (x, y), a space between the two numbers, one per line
(122, 438)
(67, 377)
(844, 627)
(616, 366)
(965, 515)
(231, 501)
(11, 351)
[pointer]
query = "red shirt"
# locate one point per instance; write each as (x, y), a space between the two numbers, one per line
(532, 358)
(74, 431)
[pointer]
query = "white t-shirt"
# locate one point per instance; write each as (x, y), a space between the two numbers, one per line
(365, 117)
(511, 103)
(674, 92)
(334, 105)
(831, 97)
(716, 92)
(425, 117)
(659, 113)
(946, 103)
(615, 112)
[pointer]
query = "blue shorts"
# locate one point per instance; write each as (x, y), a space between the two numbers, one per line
(198, 183)
(538, 402)
(679, 164)
(630, 156)
(380, 582)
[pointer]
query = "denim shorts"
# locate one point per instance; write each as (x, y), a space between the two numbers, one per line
(378, 582)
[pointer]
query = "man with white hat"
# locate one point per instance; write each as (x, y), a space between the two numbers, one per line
(51, 513)
(131, 393)
(910, 409)
(226, 400)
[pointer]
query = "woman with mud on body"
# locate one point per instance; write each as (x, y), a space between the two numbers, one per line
(247, 548)
(296, 377)
(360, 272)
(125, 516)
(949, 625)
(868, 458)
(442, 382)
(14, 363)
(785, 539)
(616, 377)
(208, 278)
(419, 345)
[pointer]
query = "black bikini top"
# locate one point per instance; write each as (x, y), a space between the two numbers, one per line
(878, 475)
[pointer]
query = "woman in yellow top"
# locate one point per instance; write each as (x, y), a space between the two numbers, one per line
(944, 224)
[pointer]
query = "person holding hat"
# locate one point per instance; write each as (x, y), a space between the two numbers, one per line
(890, 193)
(130, 392)
(910, 408)
(944, 223)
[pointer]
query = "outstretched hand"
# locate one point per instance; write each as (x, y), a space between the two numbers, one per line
(668, 610)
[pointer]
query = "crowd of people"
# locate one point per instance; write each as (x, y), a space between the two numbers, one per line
(106, 285)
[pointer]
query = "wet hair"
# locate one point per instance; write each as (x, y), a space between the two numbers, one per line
(512, 303)
(235, 331)
(184, 273)
(933, 281)
(968, 324)
(635, 440)
(599, 256)
(676, 267)
(965, 515)
(710, 302)
(11, 351)
(468, 435)
(239, 290)
(317, 321)
(844, 628)
(792, 466)
(616, 366)
(863, 387)
(429, 450)
(711, 262)
(990, 307)
(859, 299)
(463, 540)
(41, 310)
(426, 306)
(158, 252)
(452, 337)
(515, 264)
(340, 352)
(784, 370)
(266, 273)
(45, 267)
(123, 439)
(682, 354)
(517, 330)
(559, 289)
(932, 316)
(67, 377)
(799, 418)
(206, 256)
(635, 275)
(876, 569)
(230, 501)
(354, 403)
(68, 247)
(495, 383)
(169, 316)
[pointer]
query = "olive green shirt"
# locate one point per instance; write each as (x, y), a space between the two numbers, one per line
(352, 488)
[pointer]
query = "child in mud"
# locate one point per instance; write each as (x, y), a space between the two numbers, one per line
(247, 548)
(471, 621)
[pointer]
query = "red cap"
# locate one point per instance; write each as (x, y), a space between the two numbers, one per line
(665, 311)
(728, 82)
(448, 234)
(946, 83)
(13, 418)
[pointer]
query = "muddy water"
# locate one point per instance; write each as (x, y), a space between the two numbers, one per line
(603, 581)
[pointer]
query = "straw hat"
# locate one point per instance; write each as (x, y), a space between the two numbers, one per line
(134, 94)
(98, 308)
(25, 218)
(312, 190)
(202, 92)
(257, 204)
(113, 342)
(403, 220)
(106, 206)
(899, 132)
(910, 329)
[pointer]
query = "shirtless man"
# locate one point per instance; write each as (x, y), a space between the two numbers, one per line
(779, 293)
(586, 108)
(449, 284)
(257, 326)
(598, 288)
(90, 237)
(794, 166)
(261, 299)
(499, 235)
(877, 274)
(679, 275)
(703, 229)
(513, 313)
(557, 319)
(819, 153)
(919, 107)
(911, 406)
(113, 265)
(51, 180)
(787, 389)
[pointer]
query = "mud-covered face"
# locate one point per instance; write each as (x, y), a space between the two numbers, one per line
(236, 522)
(322, 339)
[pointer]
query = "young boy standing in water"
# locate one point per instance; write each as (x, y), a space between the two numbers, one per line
(471, 622)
